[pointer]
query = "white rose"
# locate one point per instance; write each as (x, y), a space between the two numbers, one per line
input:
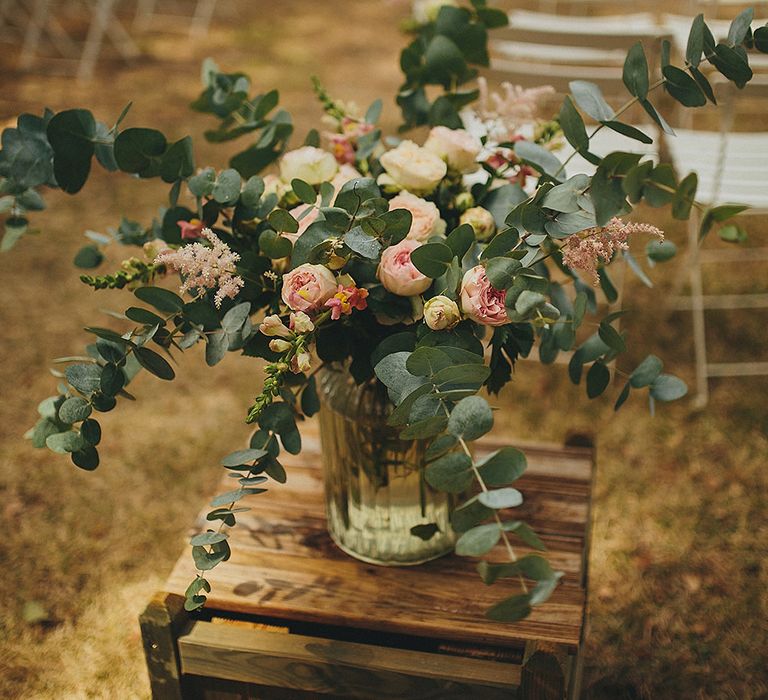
(425, 11)
(413, 168)
(456, 147)
(425, 215)
(274, 185)
(481, 221)
(313, 165)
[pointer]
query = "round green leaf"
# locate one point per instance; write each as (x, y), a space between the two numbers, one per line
(71, 135)
(62, 443)
(90, 431)
(161, 299)
(471, 418)
(432, 259)
(304, 191)
(667, 387)
(478, 541)
(87, 458)
(503, 467)
(646, 372)
(74, 409)
(501, 498)
(139, 151)
(154, 363)
(451, 473)
(598, 379)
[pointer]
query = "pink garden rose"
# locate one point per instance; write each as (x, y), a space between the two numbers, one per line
(426, 220)
(398, 274)
(308, 287)
(480, 301)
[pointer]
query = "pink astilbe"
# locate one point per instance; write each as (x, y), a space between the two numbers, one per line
(504, 113)
(204, 267)
(586, 249)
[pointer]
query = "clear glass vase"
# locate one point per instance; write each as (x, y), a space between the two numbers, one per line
(375, 490)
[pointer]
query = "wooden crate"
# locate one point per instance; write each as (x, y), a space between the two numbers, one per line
(291, 616)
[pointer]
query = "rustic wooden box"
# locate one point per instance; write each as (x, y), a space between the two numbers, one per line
(291, 616)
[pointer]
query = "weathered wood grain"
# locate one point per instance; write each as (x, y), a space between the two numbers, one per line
(285, 566)
(338, 667)
(161, 622)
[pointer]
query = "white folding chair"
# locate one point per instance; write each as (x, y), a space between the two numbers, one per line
(103, 24)
(538, 48)
(199, 18)
(731, 167)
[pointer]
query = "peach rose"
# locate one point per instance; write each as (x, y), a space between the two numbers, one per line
(308, 287)
(413, 168)
(426, 220)
(313, 165)
(457, 147)
(480, 301)
(398, 274)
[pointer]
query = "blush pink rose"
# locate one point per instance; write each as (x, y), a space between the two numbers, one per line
(308, 287)
(398, 274)
(425, 215)
(480, 301)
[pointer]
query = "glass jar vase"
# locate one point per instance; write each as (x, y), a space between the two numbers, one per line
(375, 490)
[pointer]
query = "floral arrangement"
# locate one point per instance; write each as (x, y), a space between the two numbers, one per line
(429, 265)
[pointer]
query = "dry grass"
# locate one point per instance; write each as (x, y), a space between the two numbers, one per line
(678, 570)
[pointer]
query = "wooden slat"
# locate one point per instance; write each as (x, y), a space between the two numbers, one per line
(285, 566)
(345, 668)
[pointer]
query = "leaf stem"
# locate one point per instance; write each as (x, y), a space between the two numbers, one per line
(484, 488)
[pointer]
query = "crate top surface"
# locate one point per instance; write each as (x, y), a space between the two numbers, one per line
(284, 564)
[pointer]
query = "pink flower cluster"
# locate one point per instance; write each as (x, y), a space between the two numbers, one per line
(346, 299)
(204, 267)
(587, 249)
(344, 144)
(505, 113)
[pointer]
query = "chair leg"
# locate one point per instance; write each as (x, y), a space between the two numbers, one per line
(37, 22)
(102, 13)
(697, 311)
(201, 20)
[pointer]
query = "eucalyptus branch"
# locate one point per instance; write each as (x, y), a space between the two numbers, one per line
(624, 108)
(484, 488)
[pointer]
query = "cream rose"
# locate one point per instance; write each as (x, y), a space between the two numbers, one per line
(481, 221)
(308, 287)
(441, 313)
(413, 168)
(425, 215)
(457, 147)
(480, 301)
(398, 274)
(313, 165)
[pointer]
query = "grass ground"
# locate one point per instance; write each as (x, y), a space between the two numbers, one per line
(678, 605)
